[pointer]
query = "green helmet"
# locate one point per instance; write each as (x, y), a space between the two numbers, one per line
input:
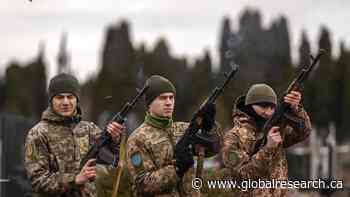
(260, 93)
(157, 85)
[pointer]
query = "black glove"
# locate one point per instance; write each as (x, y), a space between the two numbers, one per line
(208, 114)
(184, 160)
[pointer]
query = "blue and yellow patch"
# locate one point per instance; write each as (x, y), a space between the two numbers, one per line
(136, 159)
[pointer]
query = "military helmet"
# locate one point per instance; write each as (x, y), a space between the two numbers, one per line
(157, 85)
(260, 93)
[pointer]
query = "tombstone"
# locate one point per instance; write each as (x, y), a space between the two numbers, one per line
(323, 150)
(13, 131)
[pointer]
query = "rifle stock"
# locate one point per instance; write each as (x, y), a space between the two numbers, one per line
(121, 164)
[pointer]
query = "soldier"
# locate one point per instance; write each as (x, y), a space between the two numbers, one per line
(55, 145)
(239, 144)
(154, 169)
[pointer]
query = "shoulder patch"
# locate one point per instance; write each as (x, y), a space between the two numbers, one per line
(233, 157)
(136, 159)
(31, 151)
(83, 144)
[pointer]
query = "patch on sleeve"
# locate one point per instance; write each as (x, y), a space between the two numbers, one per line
(136, 159)
(233, 158)
(31, 152)
(83, 145)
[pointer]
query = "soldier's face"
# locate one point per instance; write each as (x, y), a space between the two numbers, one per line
(163, 105)
(264, 111)
(64, 104)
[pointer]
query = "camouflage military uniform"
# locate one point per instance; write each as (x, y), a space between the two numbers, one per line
(53, 150)
(267, 163)
(150, 161)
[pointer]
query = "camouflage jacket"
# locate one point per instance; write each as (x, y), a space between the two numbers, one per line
(53, 150)
(150, 161)
(268, 163)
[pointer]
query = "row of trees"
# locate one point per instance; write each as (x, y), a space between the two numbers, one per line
(263, 54)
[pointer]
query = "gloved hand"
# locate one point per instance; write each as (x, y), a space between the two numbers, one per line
(184, 160)
(208, 116)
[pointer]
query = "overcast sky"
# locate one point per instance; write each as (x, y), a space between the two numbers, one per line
(190, 26)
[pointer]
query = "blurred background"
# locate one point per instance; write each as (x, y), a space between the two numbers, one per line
(114, 46)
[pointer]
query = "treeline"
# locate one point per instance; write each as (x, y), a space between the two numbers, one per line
(264, 55)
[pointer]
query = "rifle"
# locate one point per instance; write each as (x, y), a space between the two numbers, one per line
(283, 107)
(122, 153)
(105, 137)
(190, 136)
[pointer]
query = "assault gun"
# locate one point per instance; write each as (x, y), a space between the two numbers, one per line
(190, 136)
(283, 107)
(105, 137)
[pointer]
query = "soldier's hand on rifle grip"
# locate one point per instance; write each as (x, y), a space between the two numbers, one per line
(294, 99)
(115, 129)
(273, 137)
(87, 173)
(208, 116)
